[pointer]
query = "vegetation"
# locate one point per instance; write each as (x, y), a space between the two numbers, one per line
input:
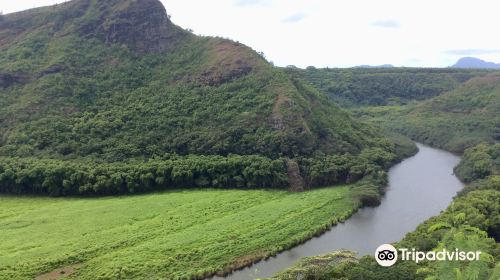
(455, 120)
(471, 223)
(83, 177)
(320, 267)
(182, 234)
(356, 87)
(110, 97)
(63, 177)
(78, 83)
(462, 119)
(459, 119)
(452, 109)
(479, 162)
(345, 265)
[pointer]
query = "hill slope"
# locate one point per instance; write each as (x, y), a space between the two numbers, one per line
(458, 119)
(455, 120)
(117, 80)
(357, 87)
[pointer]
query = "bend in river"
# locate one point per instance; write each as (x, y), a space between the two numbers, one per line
(419, 188)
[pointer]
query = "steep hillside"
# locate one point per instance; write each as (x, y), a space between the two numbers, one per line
(455, 120)
(109, 81)
(356, 87)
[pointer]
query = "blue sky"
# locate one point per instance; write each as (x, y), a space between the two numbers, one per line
(342, 33)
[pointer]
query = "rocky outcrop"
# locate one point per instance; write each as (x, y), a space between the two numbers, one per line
(142, 25)
(214, 77)
(296, 182)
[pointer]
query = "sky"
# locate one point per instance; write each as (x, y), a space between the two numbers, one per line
(341, 33)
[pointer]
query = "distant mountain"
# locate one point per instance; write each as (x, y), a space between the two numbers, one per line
(472, 62)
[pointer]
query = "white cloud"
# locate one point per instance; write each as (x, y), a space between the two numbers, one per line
(386, 23)
(295, 18)
(251, 2)
(342, 32)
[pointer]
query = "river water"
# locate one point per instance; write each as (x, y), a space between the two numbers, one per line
(419, 188)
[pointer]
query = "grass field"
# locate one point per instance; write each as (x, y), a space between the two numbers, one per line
(172, 235)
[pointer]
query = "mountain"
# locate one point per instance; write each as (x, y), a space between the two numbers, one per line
(116, 80)
(472, 62)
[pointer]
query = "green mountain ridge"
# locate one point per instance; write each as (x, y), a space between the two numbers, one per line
(456, 120)
(113, 81)
(359, 87)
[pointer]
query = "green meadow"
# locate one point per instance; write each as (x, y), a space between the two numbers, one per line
(170, 235)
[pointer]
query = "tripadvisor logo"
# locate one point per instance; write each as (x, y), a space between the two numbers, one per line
(387, 255)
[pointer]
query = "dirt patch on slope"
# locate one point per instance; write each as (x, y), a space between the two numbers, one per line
(59, 273)
(296, 182)
(227, 61)
(276, 118)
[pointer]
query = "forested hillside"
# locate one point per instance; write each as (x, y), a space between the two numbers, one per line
(464, 120)
(354, 87)
(455, 120)
(100, 82)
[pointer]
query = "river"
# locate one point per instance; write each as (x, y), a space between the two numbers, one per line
(419, 188)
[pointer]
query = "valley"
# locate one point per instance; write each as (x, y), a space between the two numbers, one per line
(465, 121)
(418, 188)
(132, 148)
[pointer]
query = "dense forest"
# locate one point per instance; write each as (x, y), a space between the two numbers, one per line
(452, 109)
(355, 87)
(86, 177)
(106, 82)
(455, 120)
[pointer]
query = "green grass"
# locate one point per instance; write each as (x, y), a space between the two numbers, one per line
(177, 234)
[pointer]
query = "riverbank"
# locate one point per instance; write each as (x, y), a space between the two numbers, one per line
(471, 222)
(419, 188)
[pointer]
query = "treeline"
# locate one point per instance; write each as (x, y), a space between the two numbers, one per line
(63, 177)
(334, 169)
(370, 167)
(58, 177)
